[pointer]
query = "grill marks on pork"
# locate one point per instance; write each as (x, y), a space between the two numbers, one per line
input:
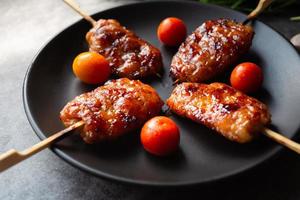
(210, 50)
(220, 107)
(109, 111)
(128, 55)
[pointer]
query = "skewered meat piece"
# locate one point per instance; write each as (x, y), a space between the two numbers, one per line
(128, 55)
(220, 107)
(109, 111)
(210, 50)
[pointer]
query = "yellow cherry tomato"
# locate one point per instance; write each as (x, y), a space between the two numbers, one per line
(91, 68)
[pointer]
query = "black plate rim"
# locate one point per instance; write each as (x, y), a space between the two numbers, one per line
(276, 150)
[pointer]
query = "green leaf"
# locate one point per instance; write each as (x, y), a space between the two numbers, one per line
(248, 5)
(296, 18)
(237, 4)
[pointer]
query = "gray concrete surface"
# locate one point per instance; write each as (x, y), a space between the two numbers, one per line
(25, 26)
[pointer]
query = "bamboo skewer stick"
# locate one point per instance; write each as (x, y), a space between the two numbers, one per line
(13, 156)
(176, 82)
(282, 140)
(261, 6)
(158, 75)
(76, 8)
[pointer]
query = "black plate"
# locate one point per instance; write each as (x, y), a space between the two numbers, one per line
(203, 156)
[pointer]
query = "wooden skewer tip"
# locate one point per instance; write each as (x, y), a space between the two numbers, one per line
(12, 157)
(76, 8)
(261, 6)
(279, 138)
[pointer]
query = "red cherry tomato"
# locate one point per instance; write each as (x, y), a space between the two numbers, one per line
(91, 68)
(171, 31)
(246, 77)
(160, 136)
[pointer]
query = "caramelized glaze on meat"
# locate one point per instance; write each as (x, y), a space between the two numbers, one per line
(210, 50)
(128, 55)
(220, 107)
(118, 107)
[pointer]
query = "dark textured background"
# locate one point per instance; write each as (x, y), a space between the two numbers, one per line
(25, 26)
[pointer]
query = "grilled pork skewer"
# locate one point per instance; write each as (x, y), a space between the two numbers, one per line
(112, 110)
(109, 111)
(128, 55)
(234, 115)
(222, 108)
(212, 48)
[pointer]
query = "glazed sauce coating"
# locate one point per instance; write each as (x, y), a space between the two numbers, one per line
(128, 55)
(109, 111)
(210, 50)
(220, 107)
